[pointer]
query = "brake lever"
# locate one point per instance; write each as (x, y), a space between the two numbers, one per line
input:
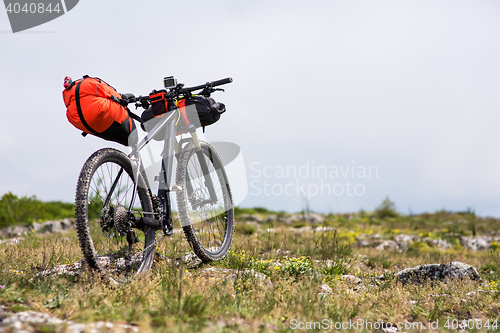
(143, 104)
(209, 90)
(206, 92)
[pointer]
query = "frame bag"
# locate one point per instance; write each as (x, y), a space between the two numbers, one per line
(93, 106)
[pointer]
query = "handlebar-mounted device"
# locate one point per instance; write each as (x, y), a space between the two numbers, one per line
(169, 82)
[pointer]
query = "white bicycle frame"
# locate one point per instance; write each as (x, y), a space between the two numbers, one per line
(170, 147)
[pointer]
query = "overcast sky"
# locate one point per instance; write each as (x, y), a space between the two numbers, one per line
(403, 93)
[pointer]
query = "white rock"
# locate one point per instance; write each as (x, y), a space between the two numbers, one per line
(326, 289)
(350, 279)
(404, 241)
(388, 245)
(476, 243)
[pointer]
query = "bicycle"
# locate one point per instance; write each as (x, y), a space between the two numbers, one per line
(118, 216)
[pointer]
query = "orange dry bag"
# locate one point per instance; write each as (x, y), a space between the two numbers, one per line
(93, 107)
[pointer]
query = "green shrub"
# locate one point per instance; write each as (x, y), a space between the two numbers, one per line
(240, 211)
(14, 210)
(298, 266)
(245, 228)
(26, 210)
(255, 210)
(386, 209)
(337, 267)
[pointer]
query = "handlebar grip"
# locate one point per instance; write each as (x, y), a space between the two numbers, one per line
(128, 97)
(221, 82)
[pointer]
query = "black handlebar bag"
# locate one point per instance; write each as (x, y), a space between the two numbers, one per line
(197, 110)
(202, 111)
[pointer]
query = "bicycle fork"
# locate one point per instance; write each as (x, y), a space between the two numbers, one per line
(164, 180)
(204, 167)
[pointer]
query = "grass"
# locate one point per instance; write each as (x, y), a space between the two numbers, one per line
(297, 263)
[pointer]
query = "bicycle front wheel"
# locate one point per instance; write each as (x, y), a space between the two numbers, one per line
(207, 220)
(105, 202)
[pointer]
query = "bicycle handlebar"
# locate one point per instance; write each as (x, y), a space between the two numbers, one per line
(209, 84)
(130, 98)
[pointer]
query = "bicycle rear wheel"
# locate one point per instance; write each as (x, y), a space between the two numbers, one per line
(208, 225)
(105, 201)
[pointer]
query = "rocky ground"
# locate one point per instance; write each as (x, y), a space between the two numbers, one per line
(30, 321)
(297, 226)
